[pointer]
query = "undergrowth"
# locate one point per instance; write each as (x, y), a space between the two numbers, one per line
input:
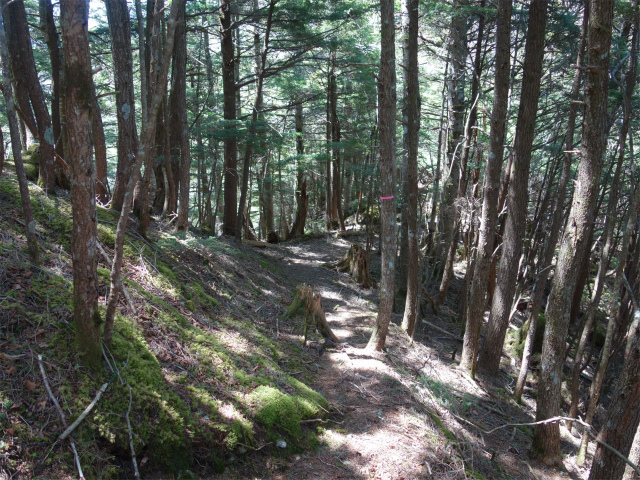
(208, 380)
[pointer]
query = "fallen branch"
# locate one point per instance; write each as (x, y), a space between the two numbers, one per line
(136, 473)
(256, 243)
(63, 418)
(82, 416)
(442, 330)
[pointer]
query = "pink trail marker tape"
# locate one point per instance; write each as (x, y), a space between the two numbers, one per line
(386, 198)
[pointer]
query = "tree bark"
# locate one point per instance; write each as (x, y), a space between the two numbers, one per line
(99, 149)
(491, 352)
(387, 129)
(558, 215)
(120, 29)
(546, 441)
(230, 140)
(78, 99)
(16, 148)
(411, 117)
(449, 213)
(24, 68)
(489, 218)
(180, 71)
(48, 27)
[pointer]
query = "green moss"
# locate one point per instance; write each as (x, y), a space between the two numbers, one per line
(31, 172)
(107, 235)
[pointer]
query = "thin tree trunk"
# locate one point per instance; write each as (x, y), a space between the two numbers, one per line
(100, 149)
(157, 87)
(491, 352)
(546, 441)
(257, 107)
(489, 218)
(48, 27)
(387, 129)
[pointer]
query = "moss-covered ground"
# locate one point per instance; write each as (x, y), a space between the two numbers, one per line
(210, 381)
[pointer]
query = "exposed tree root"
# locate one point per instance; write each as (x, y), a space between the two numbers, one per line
(309, 304)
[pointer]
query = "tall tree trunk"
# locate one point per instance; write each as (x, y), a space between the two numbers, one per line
(257, 107)
(411, 118)
(120, 29)
(489, 218)
(449, 213)
(180, 70)
(302, 198)
(491, 352)
(230, 140)
(24, 69)
(387, 129)
(16, 147)
(546, 441)
(158, 71)
(608, 232)
(78, 99)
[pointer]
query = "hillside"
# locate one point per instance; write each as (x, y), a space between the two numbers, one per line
(206, 377)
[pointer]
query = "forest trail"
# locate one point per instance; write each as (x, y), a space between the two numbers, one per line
(406, 413)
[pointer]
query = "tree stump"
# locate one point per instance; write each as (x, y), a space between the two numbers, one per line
(356, 262)
(309, 304)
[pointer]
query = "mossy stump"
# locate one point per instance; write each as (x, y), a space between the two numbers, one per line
(356, 262)
(309, 304)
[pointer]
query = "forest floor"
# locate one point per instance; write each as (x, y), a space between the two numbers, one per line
(407, 413)
(209, 370)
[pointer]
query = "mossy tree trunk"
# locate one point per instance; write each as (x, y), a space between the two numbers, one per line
(78, 98)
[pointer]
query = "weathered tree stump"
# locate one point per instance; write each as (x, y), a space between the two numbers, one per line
(356, 262)
(309, 304)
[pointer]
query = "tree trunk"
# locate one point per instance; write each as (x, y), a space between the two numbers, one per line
(489, 218)
(491, 352)
(623, 417)
(230, 140)
(449, 213)
(120, 29)
(16, 148)
(99, 149)
(78, 99)
(180, 71)
(546, 441)
(24, 69)
(387, 129)
(48, 27)
(157, 86)
(411, 117)
(257, 107)
(302, 198)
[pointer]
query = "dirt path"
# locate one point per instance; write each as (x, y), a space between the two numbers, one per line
(406, 413)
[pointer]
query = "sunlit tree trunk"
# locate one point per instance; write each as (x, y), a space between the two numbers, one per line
(50, 33)
(78, 98)
(546, 441)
